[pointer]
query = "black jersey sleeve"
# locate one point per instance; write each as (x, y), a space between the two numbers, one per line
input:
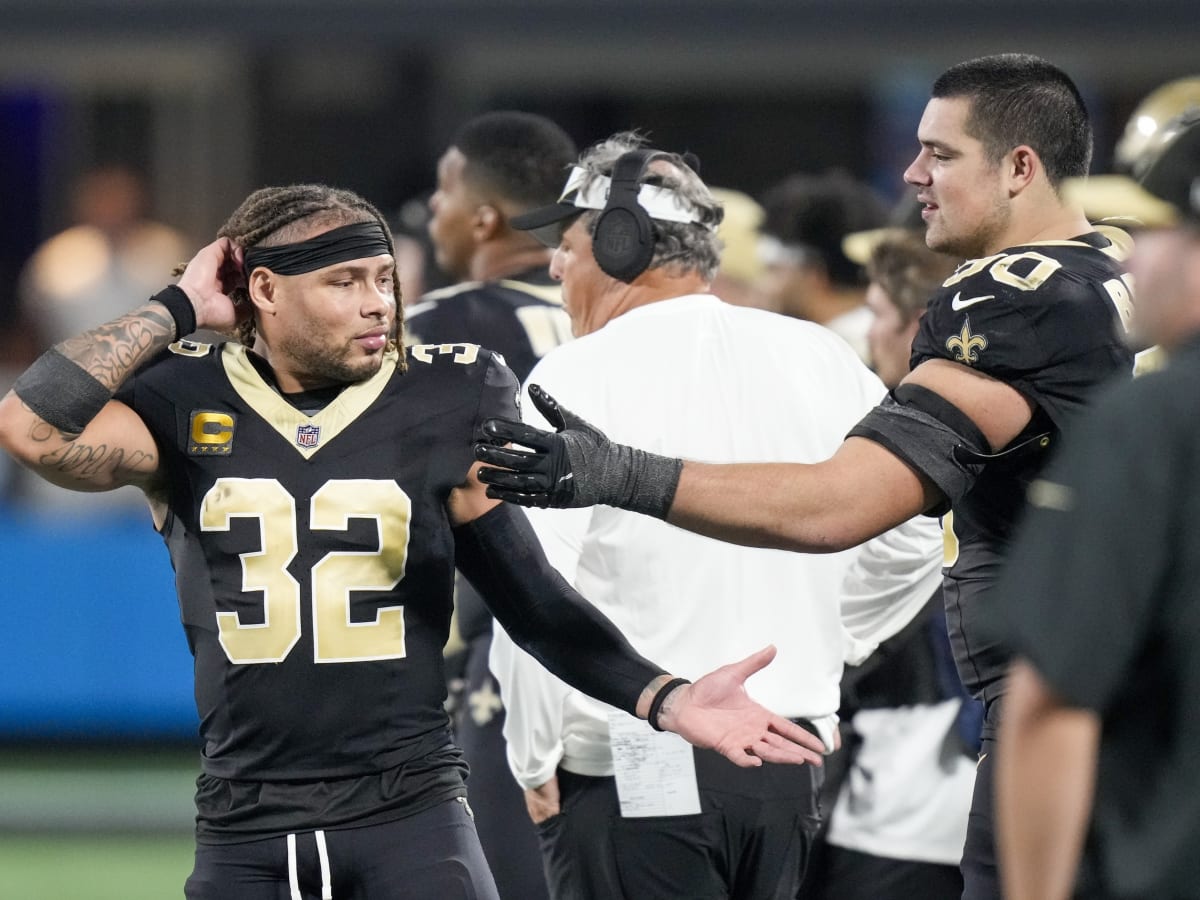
(1041, 318)
(500, 555)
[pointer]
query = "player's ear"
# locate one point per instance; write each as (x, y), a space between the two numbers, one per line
(261, 287)
(1023, 164)
(488, 220)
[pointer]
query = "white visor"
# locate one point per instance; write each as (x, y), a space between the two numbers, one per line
(659, 203)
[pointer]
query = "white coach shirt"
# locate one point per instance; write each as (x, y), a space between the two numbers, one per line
(697, 378)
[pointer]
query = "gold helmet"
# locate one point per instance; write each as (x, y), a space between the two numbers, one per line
(1145, 129)
(1170, 169)
(1119, 198)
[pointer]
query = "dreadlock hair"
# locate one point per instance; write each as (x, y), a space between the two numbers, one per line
(273, 216)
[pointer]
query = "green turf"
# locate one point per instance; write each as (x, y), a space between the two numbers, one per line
(95, 823)
(94, 867)
(96, 791)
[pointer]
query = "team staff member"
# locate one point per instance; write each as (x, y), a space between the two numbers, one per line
(1013, 344)
(1102, 709)
(696, 376)
(498, 165)
(314, 489)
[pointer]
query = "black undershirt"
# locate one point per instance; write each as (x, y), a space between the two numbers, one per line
(308, 402)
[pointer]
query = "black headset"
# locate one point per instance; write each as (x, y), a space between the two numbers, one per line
(623, 239)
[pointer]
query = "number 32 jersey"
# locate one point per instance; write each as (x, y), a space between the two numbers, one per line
(1046, 319)
(313, 555)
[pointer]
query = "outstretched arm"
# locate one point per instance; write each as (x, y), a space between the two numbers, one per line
(496, 549)
(860, 492)
(1045, 777)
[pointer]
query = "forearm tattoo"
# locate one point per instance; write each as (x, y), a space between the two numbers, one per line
(68, 386)
(113, 351)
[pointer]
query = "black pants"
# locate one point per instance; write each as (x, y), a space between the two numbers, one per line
(433, 854)
(981, 876)
(508, 837)
(750, 840)
(837, 873)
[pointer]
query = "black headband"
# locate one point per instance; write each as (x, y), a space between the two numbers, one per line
(357, 241)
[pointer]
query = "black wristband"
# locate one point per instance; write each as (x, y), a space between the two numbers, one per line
(660, 698)
(653, 485)
(179, 305)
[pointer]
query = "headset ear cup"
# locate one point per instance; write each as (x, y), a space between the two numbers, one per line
(623, 242)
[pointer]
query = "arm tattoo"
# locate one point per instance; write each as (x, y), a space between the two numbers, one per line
(112, 351)
(83, 461)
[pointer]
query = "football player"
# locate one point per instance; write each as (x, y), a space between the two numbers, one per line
(498, 165)
(1012, 345)
(313, 485)
(1098, 797)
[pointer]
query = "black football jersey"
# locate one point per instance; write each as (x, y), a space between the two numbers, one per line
(521, 318)
(313, 554)
(1046, 318)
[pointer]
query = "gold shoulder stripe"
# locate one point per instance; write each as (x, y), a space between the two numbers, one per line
(443, 293)
(551, 293)
(1119, 247)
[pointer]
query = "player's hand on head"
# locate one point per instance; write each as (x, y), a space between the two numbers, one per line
(209, 279)
(716, 713)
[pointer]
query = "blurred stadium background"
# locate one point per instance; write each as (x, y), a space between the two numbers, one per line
(212, 99)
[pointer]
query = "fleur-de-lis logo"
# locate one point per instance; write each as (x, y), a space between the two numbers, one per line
(484, 703)
(965, 346)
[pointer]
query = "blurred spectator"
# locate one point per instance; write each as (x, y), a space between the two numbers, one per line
(109, 260)
(416, 266)
(807, 274)
(904, 274)
(1119, 198)
(741, 266)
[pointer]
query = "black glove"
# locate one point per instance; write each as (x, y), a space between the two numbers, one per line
(575, 465)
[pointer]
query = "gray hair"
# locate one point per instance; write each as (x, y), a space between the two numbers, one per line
(682, 246)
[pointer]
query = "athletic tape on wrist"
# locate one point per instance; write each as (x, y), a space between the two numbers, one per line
(652, 489)
(660, 698)
(61, 392)
(179, 305)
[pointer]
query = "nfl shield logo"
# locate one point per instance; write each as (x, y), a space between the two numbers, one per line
(308, 435)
